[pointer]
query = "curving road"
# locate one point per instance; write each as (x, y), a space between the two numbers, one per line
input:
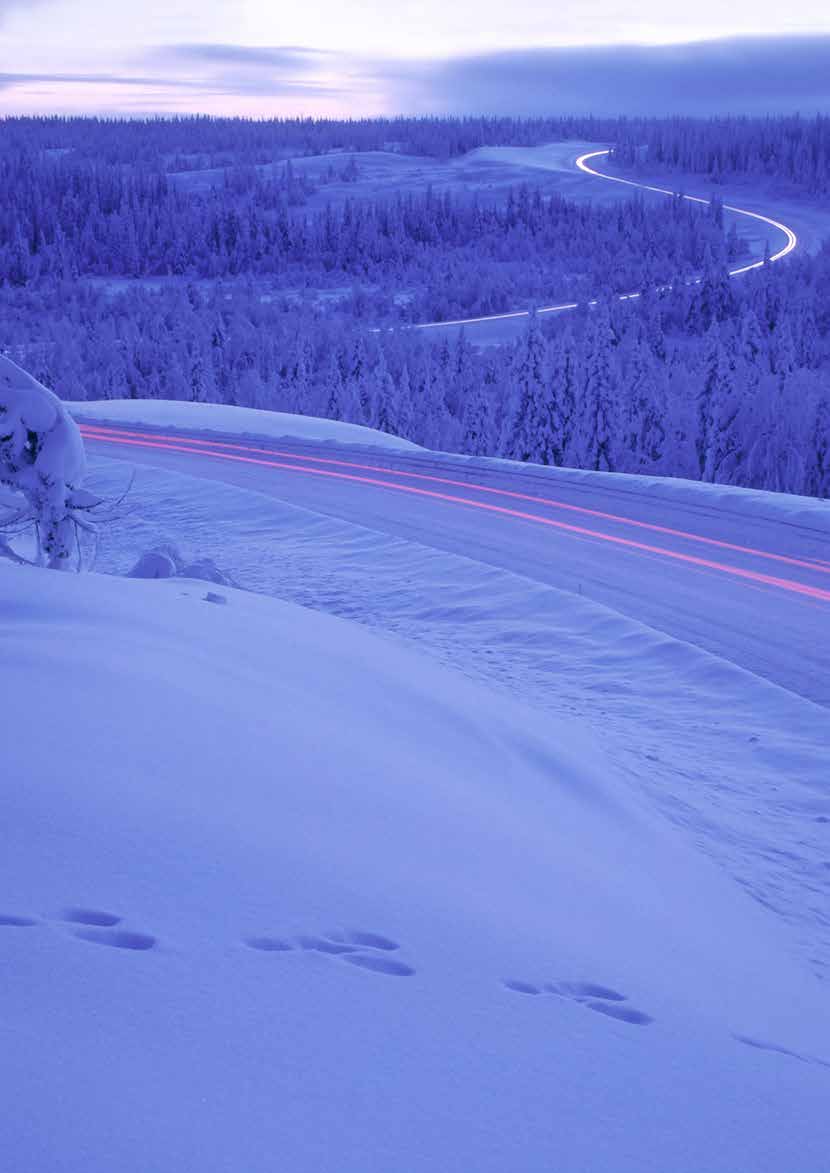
(491, 329)
(791, 240)
(751, 585)
(753, 588)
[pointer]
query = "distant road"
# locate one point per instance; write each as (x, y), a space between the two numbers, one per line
(581, 163)
(791, 238)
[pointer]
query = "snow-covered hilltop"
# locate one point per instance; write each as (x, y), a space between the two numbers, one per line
(428, 772)
(277, 886)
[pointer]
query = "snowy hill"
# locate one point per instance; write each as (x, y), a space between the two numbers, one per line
(236, 421)
(282, 893)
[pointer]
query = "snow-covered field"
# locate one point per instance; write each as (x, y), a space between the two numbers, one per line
(279, 890)
(444, 868)
(693, 732)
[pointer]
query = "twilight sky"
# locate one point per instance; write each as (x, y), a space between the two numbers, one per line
(342, 57)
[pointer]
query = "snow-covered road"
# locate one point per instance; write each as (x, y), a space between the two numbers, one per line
(685, 624)
(734, 573)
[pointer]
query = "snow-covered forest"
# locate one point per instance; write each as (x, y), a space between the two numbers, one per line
(118, 281)
(449, 254)
(793, 149)
(193, 143)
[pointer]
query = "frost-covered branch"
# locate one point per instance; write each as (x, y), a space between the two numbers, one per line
(42, 466)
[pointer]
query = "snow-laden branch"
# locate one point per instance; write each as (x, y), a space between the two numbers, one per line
(42, 466)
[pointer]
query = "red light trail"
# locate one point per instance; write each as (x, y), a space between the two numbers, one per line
(217, 450)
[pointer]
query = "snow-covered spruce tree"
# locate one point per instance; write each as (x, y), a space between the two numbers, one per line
(595, 432)
(334, 394)
(42, 463)
(404, 403)
(716, 387)
(819, 471)
(644, 402)
(722, 407)
(565, 375)
(529, 431)
(478, 413)
(381, 408)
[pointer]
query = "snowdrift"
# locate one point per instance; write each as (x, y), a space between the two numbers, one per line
(234, 421)
(244, 421)
(279, 892)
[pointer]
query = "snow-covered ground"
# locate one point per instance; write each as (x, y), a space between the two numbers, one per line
(736, 762)
(444, 868)
(279, 890)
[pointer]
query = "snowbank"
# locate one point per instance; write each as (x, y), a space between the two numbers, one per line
(278, 886)
(243, 421)
(750, 503)
(235, 421)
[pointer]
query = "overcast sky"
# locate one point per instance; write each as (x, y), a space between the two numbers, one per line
(341, 57)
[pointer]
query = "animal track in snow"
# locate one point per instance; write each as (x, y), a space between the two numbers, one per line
(602, 999)
(368, 940)
(324, 945)
(760, 1045)
(90, 916)
(520, 987)
(117, 938)
(580, 990)
(92, 925)
(623, 1013)
(363, 949)
(380, 964)
(269, 944)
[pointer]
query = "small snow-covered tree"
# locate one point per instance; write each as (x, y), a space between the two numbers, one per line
(529, 429)
(595, 433)
(42, 465)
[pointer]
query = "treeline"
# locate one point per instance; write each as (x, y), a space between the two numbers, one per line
(200, 142)
(65, 217)
(726, 382)
(787, 147)
(793, 149)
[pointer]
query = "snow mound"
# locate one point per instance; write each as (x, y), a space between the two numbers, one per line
(27, 407)
(166, 562)
(279, 885)
(154, 564)
(233, 421)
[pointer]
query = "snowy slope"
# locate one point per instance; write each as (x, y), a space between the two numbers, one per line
(737, 764)
(234, 421)
(226, 777)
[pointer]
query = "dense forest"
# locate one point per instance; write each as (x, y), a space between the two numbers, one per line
(114, 282)
(726, 381)
(787, 147)
(794, 150)
(424, 257)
